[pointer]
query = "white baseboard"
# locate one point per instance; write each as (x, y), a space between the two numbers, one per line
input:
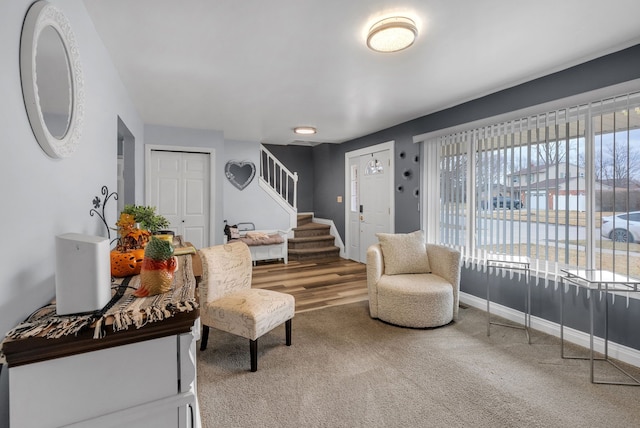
(616, 351)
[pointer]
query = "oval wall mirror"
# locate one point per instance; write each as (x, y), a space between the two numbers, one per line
(52, 81)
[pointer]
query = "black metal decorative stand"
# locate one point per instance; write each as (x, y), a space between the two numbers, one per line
(97, 203)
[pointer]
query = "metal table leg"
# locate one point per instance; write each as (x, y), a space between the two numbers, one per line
(592, 357)
(527, 305)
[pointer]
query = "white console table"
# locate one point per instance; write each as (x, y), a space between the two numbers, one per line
(136, 377)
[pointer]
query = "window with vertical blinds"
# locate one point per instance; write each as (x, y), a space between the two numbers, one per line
(562, 188)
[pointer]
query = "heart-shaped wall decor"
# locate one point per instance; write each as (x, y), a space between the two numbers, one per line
(240, 174)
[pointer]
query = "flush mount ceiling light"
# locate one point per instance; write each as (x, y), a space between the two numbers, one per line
(392, 34)
(305, 130)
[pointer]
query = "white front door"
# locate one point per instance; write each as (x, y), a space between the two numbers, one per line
(369, 190)
(179, 189)
(353, 209)
(375, 207)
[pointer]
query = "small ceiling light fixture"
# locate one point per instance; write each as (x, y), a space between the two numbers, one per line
(392, 34)
(305, 130)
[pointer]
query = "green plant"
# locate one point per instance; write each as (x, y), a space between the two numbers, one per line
(158, 249)
(146, 216)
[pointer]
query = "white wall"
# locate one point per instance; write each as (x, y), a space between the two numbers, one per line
(42, 197)
(250, 204)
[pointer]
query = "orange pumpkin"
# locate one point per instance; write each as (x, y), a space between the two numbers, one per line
(126, 263)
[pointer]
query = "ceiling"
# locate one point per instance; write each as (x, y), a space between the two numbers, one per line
(255, 69)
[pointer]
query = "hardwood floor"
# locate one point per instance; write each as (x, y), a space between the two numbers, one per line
(314, 284)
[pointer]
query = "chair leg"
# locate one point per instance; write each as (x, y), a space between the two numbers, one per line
(205, 337)
(253, 347)
(287, 327)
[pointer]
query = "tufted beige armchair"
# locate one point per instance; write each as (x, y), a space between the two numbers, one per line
(228, 303)
(412, 284)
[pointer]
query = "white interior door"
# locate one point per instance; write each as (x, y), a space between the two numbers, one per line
(179, 188)
(375, 204)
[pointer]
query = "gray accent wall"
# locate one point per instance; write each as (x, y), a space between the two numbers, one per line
(298, 159)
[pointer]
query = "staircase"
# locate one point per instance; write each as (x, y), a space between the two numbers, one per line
(280, 183)
(312, 241)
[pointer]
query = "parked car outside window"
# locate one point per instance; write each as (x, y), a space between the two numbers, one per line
(622, 227)
(503, 202)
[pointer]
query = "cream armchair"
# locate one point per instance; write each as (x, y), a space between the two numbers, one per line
(412, 284)
(228, 303)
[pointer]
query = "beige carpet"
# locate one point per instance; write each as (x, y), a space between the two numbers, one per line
(345, 369)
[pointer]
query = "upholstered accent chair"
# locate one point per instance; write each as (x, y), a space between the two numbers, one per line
(411, 283)
(228, 303)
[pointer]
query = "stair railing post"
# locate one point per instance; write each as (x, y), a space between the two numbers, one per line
(295, 190)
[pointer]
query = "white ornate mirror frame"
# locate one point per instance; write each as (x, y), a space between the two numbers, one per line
(40, 17)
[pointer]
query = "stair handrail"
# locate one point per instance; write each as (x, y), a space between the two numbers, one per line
(269, 177)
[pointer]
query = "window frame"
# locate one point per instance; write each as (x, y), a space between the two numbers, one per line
(591, 100)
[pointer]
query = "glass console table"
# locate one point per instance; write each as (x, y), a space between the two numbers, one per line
(513, 263)
(606, 282)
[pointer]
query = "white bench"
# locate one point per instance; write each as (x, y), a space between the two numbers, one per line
(264, 244)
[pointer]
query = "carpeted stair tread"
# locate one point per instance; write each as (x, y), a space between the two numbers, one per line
(313, 226)
(311, 242)
(312, 238)
(304, 219)
(306, 254)
(331, 249)
(312, 229)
